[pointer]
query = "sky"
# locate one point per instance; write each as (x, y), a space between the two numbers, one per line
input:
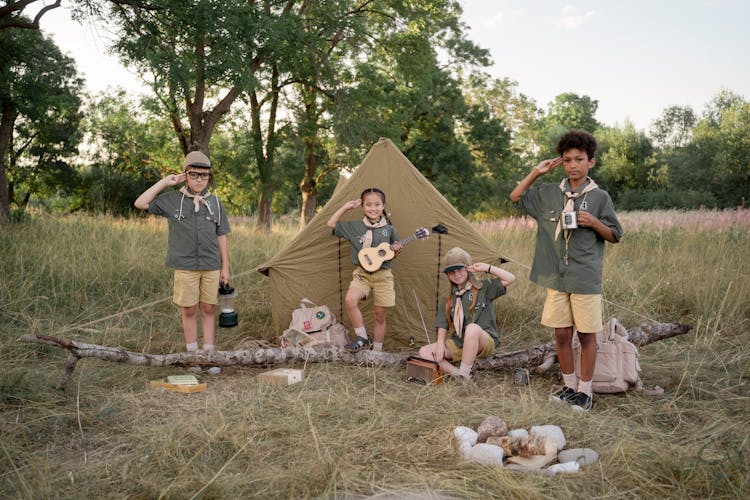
(635, 57)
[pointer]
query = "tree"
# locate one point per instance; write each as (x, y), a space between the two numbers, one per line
(39, 101)
(12, 13)
(626, 159)
(568, 111)
(129, 147)
(674, 127)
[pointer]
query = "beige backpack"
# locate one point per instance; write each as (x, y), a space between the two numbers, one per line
(617, 368)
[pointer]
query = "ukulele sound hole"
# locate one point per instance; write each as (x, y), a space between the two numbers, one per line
(381, 252)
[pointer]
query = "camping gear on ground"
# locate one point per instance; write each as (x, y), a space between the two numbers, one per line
(371, 258)
(617, 368)
(312, 327)
(283, 376)
(316, 261)
(311, 319)
(227, 314)
(423, 371)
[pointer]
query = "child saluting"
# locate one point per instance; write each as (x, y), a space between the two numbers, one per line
(374, 228)
(197, 247)
(574, 218)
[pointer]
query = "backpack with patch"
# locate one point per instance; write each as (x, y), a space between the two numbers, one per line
(617, 368)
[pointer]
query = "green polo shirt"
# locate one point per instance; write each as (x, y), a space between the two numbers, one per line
(484, 312)
(192, 244)
(354, 231)
(583, 272)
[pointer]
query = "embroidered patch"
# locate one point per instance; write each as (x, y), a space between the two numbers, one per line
(320, 314)
(384, 232)
(585, 205)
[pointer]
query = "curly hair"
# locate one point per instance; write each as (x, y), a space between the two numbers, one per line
(577, 139)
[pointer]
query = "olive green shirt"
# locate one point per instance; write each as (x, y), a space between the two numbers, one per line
(354, 231)
(193, 243)
(484, 311)
(582, 274)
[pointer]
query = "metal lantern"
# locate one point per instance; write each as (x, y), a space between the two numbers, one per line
(227, 314)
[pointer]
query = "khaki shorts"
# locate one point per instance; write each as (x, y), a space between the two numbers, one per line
(380, 283)
(457, 352)
(191, 287)
(562, 309)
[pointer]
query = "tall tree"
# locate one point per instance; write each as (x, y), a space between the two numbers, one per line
(674, 127)
(39, 108)
(12, 13)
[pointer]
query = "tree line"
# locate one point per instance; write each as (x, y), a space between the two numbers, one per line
(287, 96)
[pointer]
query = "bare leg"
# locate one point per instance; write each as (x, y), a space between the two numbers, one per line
(564, 347)
(208, 322)
(588, 355)
(380, 316)
(427, 352)
(190, 323)
(474, 342)
(351, 302)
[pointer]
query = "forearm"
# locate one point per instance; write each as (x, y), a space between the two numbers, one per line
(505, 277)
(524, 185)
(224, 251)
(604, 231)
(335, 217)
(148, 195)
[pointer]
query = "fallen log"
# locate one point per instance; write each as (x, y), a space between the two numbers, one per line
(263, 357)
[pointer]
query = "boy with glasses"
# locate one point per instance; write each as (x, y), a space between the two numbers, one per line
(197, 247)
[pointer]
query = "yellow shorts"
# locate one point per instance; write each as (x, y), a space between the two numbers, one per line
(457, 352)
(191, 287)
(562, 309)
(380, 283)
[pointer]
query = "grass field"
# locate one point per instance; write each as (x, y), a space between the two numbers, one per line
(349, 431)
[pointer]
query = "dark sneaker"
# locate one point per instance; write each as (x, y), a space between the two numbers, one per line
(581, 402)
(564, 395)
(359, 344)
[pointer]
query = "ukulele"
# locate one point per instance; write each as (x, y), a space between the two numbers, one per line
(370, 258)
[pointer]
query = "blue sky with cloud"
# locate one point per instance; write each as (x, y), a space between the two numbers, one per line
(636, 57)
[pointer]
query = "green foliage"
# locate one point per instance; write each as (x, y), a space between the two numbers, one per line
(40, 96)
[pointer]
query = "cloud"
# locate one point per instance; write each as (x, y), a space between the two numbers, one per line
(493, 21)
(571, 18)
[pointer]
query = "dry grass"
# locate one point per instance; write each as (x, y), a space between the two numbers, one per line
(346, 431)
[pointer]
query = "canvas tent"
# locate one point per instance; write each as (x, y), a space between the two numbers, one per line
(316, 265)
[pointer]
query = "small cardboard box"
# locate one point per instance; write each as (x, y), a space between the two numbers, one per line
(283, 376)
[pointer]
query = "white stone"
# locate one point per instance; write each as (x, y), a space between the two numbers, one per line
(465, 435)
(582, 456)
(518, 433)
(486, 454)
(552, 431)
(564, 468)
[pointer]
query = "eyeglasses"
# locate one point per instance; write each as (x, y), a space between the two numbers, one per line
(199, 175)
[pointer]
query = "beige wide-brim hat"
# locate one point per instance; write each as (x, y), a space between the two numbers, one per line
(196, 159)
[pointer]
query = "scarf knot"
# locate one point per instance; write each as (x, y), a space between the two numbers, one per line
(197, 199)
(366, 239)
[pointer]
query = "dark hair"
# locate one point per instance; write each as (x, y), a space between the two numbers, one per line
(381, 194)
(577, 139)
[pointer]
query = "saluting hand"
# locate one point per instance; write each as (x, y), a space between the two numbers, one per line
(174, 179)
(548, 165)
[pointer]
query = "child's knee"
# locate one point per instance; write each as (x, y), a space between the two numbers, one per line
(190, 311)
(208, 309)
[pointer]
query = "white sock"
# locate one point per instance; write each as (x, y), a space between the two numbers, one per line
(377, 346)
(570, 380)
(465, 369)
(192, 346)
(361, 332)
(584, 387)
(208, 347)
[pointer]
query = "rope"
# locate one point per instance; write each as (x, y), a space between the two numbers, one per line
(437, 273)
